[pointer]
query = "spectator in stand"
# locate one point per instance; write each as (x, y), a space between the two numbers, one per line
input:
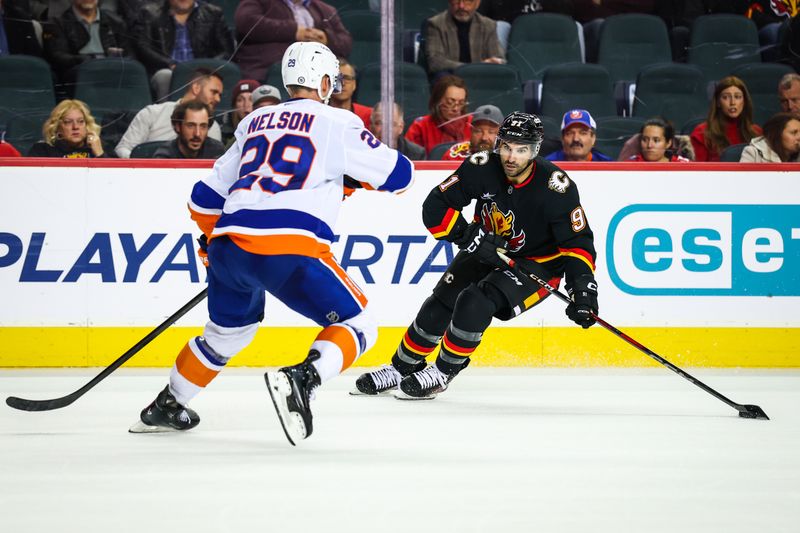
(84, 32)
(70, 132)
(460, 35)
(578, 135)
(448, 120)
(779, 144)
(17, 32)
(8, 150)
(264, 96)
(153, 123)
(730, 121)
(190, 121)
(680, 149)
(486, 122)
(657, 143)
(344, 98)
(266, 28)
(176, 31)
(242, 103)
(789, 92)
(409, 149)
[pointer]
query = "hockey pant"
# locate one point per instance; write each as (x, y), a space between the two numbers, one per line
(460, 309)
(317, 288)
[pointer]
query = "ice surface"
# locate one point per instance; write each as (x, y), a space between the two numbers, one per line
(504, 450)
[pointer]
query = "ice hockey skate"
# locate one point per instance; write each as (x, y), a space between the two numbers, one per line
(291, 388)
(165, 414)
(423, 385)
(378, 382)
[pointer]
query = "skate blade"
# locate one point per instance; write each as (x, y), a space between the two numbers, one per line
(400, 395)
(356, 392)
(292, 423)
(141, 427)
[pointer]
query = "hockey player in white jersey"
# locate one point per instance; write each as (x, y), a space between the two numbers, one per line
(267, 209)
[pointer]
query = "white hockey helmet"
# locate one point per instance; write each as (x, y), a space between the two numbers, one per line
(307, 63)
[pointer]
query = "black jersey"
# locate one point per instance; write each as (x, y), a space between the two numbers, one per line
(541, 218)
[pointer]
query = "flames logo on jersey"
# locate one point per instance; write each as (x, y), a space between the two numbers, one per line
(781, 8)
(459, 151)
(784, 8)
(502, 224)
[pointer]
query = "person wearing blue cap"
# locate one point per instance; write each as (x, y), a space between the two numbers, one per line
(577, 138)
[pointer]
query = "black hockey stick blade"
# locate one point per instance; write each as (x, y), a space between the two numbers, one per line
(752, 411)
(57, 403)
(745, 411)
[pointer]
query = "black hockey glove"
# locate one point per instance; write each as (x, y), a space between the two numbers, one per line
(476, 240)
(584, 300)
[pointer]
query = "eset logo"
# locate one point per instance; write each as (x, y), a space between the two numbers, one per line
(721, 250)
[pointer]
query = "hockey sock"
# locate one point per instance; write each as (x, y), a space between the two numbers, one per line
(197, 364)
(339, 345)
(457, 346)
(416, 345)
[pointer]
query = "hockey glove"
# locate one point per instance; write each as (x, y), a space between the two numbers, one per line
(476, 240)
(584, 300)
(350, 186)
(202, 240)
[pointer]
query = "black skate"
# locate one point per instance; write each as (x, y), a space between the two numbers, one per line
(381, 381)
(424, 385)
(291, 388)
(165, 414)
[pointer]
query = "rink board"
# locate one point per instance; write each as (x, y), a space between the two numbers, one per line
(701, 263)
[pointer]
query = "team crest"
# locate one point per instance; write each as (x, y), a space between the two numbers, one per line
(558, 182)
(502, 224)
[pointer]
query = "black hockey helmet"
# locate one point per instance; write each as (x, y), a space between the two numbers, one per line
(523, 128)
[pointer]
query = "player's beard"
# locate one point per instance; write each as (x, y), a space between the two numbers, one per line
(519, 172)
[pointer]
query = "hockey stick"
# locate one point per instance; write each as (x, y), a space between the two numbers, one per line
(745, 411)
(57, 403)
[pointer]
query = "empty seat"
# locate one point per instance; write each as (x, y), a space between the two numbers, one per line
(688, 127)
(674, 91)
(365, 27)
(26, 83)
(540, 40)
(183, 72)
(112, 84)
(612, 132)
(720, 43)
(438, 151)
(410, 14)
(762, 80)
(732, 153)
(146, 150)
(411, 88)
(488, 83)
(552, 126)
(575, 85)
(23, 128)
(629, 42)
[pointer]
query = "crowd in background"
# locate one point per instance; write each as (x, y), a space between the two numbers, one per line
(162, 34)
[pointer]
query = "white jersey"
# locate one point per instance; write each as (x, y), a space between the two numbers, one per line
(278, 189)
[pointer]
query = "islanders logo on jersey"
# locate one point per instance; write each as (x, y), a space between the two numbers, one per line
(502, 224)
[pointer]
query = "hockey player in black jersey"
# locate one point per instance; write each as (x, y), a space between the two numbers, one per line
(525, 206)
